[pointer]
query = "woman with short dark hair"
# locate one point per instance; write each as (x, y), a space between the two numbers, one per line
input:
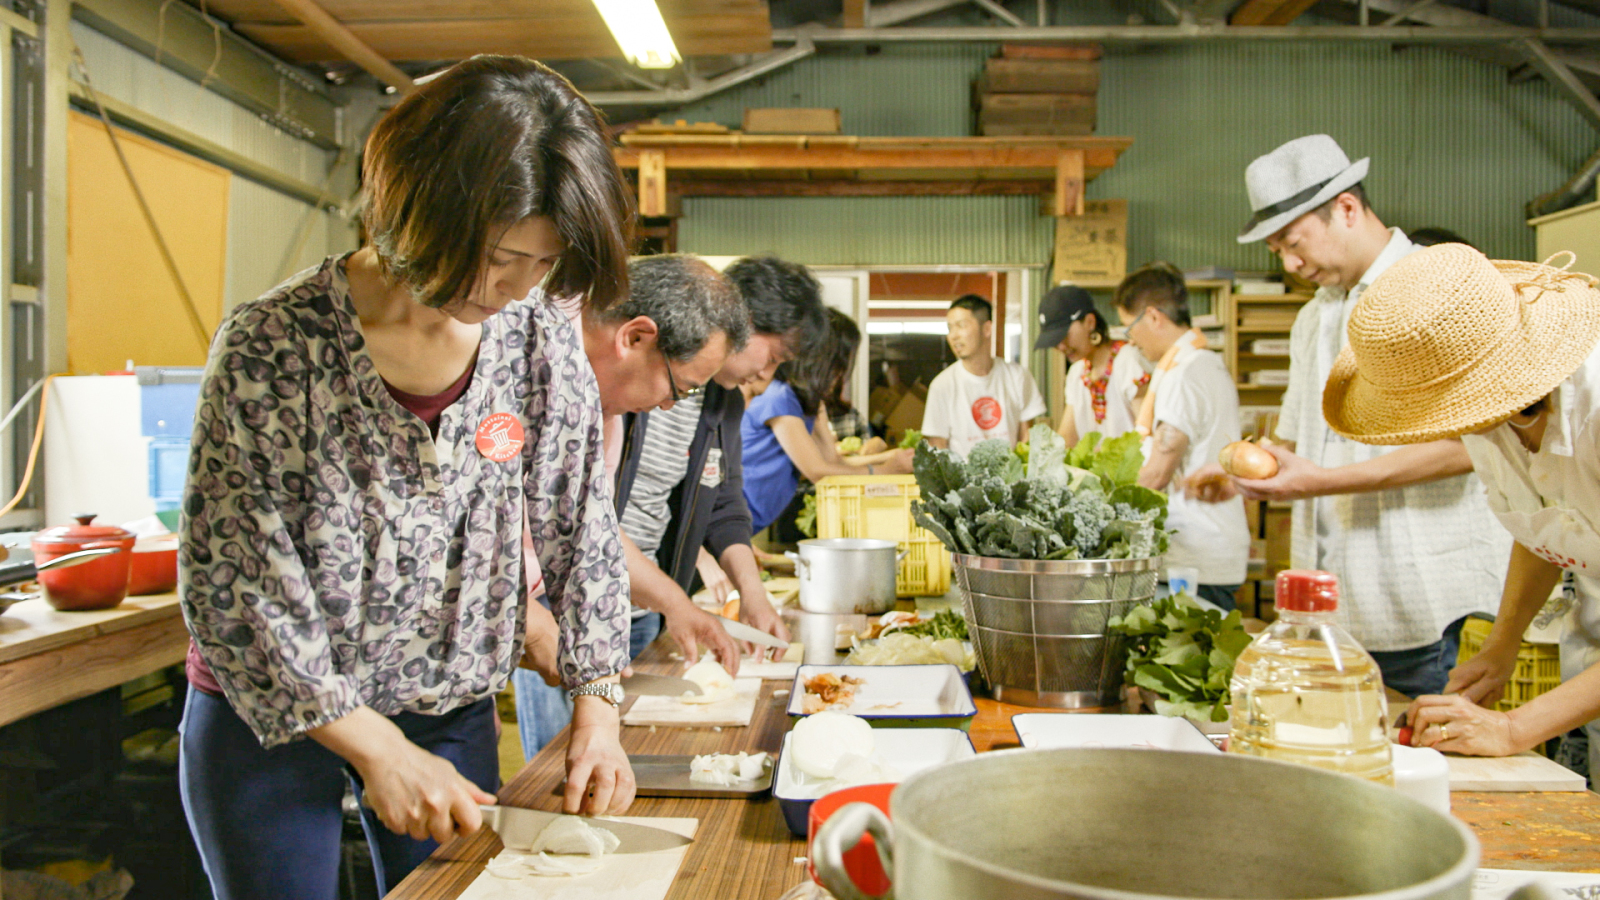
(376, 441)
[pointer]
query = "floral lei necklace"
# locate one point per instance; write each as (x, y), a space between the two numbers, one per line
(1097, 386)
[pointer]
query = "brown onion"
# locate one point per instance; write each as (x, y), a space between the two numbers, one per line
(1242, 459)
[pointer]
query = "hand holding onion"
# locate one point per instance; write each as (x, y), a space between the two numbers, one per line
(1244, 459)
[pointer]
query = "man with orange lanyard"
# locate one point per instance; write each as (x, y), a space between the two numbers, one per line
(1105, 403)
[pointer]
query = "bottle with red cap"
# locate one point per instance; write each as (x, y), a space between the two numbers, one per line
(1304, 691)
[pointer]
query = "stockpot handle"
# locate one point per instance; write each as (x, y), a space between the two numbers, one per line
(843, 831)
(901, 556)
(802, 566)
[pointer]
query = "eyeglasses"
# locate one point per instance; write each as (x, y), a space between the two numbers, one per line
(677, 396)
(1129, 329)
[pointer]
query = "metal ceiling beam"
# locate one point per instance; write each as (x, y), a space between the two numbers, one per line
(1409, 12)
(1137, 34)
(1214, 10)
(282, 94)
(349, 46)
(1001, 13)
(803, 48)
(884, 15)
(1557, 73)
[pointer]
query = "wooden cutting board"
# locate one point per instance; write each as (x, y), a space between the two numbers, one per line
(672, 712)
(627, 876)
(1524, 772)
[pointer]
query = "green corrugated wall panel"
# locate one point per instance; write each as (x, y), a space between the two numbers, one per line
(1453, 144)
(870, 230)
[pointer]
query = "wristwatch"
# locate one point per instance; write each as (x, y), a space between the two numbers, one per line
(611, 692)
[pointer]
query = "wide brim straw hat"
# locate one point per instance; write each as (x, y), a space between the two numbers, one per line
(1448, 342)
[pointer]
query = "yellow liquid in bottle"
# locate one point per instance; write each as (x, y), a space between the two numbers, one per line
(1297, 701)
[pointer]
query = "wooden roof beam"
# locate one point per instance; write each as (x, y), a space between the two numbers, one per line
(351, 47)
(1269, 12)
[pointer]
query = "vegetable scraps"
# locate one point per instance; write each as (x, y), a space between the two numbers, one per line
(1184, 654)
(1081, 503)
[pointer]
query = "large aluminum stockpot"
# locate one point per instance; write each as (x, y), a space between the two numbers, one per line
(1130, 824)
(847, 575)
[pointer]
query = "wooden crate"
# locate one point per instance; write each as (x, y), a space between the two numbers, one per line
(1040, 76)
(791, 120)
(1050, 51)
(1018, 114)
(1093, 246)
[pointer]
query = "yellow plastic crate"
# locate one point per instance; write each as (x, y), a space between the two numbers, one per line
(1538, 665)
(879, 506)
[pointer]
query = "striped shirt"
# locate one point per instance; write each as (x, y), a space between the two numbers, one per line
(663, 463)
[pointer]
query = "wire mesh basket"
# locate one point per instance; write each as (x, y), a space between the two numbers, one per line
(1039, 627)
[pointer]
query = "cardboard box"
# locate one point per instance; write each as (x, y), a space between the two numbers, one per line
(791, 120)
(1040, 114)
(1040, 76)
(1093, 246)
(906, 416)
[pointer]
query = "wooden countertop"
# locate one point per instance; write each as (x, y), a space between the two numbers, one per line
(743, 851)
(48, 658)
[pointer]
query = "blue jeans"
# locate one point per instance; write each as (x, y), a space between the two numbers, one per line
(542, 710)
(268, 822)
(1422, 670)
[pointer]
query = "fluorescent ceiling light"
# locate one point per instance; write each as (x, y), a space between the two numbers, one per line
(640, 31)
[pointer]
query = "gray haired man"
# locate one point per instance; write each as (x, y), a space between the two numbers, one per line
(680, 322)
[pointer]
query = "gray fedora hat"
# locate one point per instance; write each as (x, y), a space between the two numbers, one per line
(1295, 179)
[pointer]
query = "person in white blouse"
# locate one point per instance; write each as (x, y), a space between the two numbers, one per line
(1407, 529)
(1104, 377)
(1505, 356)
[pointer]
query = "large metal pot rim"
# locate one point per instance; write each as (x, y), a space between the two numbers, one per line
(1459, 873)
(847, 544)
(1057, 566)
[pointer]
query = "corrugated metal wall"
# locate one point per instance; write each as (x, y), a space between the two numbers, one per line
(264, 226)
(1453, 143)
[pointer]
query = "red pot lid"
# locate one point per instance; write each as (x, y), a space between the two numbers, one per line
(83, 532)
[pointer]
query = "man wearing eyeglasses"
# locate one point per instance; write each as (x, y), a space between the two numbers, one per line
(657, 348)
(682, 481)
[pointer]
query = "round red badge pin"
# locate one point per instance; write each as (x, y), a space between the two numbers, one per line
(987, 413)
(500, 437)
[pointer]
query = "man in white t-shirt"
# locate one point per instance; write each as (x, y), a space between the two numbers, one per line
(1196, 414)
(979, 397)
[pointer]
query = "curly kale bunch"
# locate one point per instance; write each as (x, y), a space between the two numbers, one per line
(1062, 504)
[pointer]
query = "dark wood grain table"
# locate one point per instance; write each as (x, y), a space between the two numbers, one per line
(743, 851)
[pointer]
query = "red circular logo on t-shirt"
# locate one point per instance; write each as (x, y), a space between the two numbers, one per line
(987, 413)
(500, 437)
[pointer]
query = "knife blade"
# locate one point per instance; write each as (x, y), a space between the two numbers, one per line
(518, 827)
(641, 684)
(743, 632)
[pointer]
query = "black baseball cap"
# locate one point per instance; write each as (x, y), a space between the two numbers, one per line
(1062, 305)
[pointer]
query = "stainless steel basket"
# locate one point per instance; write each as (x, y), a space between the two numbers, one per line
(1039, 627)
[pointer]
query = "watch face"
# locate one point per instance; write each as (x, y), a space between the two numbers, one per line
(617, 693)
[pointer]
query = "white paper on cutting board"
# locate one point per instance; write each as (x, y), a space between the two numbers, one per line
(622, 876)
(1527, 771)
(672, 712)
(1497, 884)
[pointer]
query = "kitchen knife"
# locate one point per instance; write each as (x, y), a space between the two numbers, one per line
(640, 684)
(518, 827)
(742, 632)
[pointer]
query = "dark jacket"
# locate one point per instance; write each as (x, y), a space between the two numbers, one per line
(708, 506)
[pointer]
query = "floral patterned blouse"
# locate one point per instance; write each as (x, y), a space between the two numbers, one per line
(334, 555)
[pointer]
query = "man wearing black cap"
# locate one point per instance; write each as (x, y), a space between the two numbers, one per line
(1104, 377)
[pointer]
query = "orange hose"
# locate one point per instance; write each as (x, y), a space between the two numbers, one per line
(33, 452)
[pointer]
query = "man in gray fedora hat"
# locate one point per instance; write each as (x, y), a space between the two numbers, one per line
(1408, 529)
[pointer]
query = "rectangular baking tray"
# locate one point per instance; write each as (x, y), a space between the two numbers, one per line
(898, 696)
(1053, 730)
(908, 750)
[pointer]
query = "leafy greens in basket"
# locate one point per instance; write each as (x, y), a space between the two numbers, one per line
(1183, 654)
(1080, 503)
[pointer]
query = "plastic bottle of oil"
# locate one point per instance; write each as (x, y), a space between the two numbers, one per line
(1304, 691)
